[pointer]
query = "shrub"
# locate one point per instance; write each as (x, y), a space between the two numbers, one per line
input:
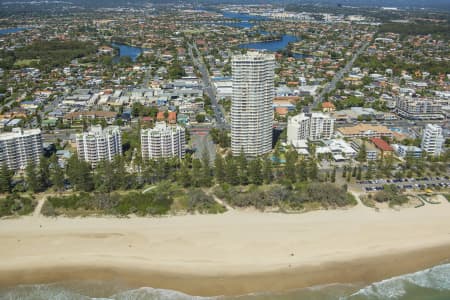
(15, 204)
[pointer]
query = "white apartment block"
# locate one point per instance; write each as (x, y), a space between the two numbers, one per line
(251, 105)
(163, 141)
(419, 108)
(19, 147)
(314, 126)
(99, 144)
(432, 140)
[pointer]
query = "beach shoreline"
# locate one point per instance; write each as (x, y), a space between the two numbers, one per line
(360, 271)
(230, 254)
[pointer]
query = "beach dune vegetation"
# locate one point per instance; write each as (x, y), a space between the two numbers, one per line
(324, 195)
(390, 194)
(16, 205)
(155, 202)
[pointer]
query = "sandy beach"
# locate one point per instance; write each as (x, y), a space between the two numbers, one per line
(234, 253)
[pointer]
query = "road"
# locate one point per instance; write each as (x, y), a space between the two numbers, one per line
(338, 76)
(219, 112)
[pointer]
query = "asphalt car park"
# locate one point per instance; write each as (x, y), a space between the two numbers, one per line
(406, 183)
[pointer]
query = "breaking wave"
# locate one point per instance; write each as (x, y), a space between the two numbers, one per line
(430, 284)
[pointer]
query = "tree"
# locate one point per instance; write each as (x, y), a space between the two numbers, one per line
(254, 172)
(358, 173)
(184, 175)
(79, 174)
(196, 170)
(302, 170)
(200, 118)
(242, 162)
(333, 175)
(267, 171)
(219, 168)
(206, 176)
(362, 154)
(44, 173)
(313, 170)
(289, 167)
(56, 173)
(32, 176)
(231, 171)
(370, 170)
(5, 179)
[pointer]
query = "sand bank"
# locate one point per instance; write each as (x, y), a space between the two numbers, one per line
(234, 253)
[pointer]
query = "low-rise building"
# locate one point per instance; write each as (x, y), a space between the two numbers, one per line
(339, 149)
(383, 146)
(328, 107)
(364, 131)
(372, 152)
(407, 151)
(108, 116)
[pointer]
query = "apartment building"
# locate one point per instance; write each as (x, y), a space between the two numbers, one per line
(419, 108)
(251, 105)
(163, 141)
(99, 144)
(314, 126)
(433, 140)
(19, 147)
(407, 151)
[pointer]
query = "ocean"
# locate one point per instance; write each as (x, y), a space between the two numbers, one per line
(429, 284)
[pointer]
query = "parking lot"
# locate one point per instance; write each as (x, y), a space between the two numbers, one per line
(406, 183)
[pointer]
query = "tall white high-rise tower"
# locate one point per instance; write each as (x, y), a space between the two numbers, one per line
(251, 105)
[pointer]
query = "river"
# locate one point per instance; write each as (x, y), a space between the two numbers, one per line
(11, 30)
(245, 21)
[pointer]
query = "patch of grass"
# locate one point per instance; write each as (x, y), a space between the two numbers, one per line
(22, 63)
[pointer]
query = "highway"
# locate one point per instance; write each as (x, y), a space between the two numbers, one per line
(338, 76)
(219, 112)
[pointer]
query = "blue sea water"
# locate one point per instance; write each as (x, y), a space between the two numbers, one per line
(429, 284)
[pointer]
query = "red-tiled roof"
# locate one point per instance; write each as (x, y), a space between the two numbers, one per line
(160, 116)
(381, 144)
(172, 117)
(147, 119)
(282, 111)
(328, 105)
